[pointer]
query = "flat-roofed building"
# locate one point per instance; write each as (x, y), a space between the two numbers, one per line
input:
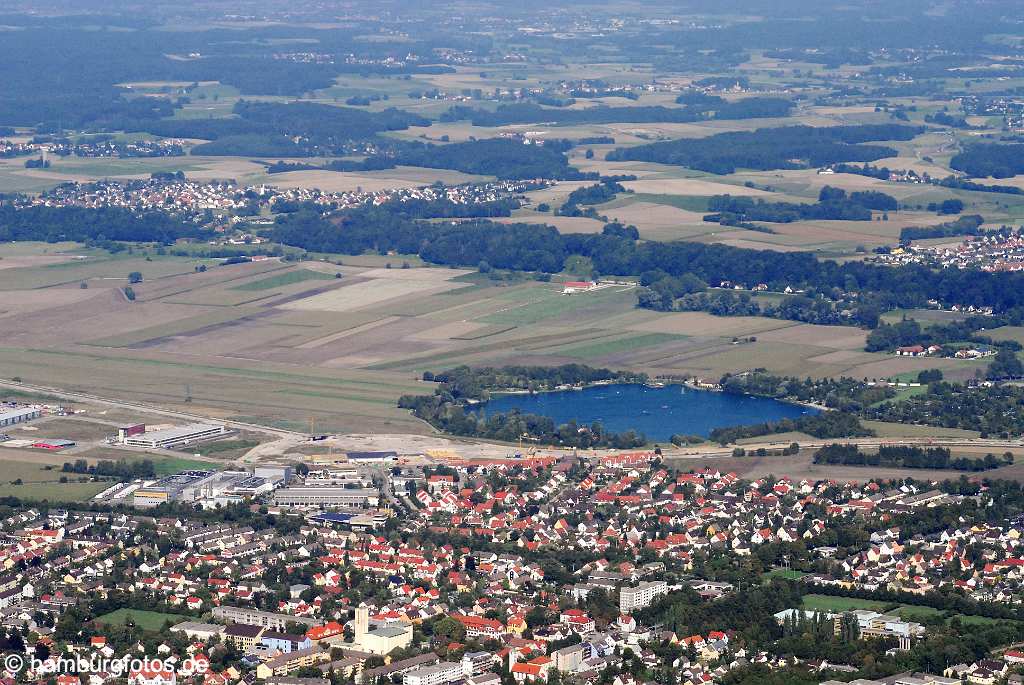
(179, 436)
(9, 417)
(372, 457)
(198, 631)
(328, 496)
(632, 598)
(243, 635)
(255, 617)
(185, 486)
(438, 674)
(293, 661)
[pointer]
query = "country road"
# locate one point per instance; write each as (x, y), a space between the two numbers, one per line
(283, 438)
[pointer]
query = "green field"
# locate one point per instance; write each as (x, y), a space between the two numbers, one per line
(840, 604)
(280, 280)
(533, 305)
(53, 492)
(147, 620)
(691, 203)
(40, 473)
(788, 574)
(163, 464)
(908, 612)
(603, 348)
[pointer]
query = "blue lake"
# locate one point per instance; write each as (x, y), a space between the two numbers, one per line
(658, 413)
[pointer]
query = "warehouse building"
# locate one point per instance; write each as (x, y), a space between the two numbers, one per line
(372, 457)
(186, 486)
(9, 417)
(362, 498)
(173, 438)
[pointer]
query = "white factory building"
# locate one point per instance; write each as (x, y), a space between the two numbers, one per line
(327, 497)
(172, 438)
(9, 417)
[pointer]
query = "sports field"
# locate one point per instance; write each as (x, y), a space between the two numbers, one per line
(147, 620)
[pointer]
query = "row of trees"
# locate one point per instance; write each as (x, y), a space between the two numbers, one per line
(122, 468)
(710, 108)
(903, 456)
(965, 225)
(833, 204)
(789, 147)
(532, 247)
(831, 424)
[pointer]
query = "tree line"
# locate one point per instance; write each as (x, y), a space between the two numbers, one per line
(833, 204)
(965, 225)
(540, 248)
(787, 147)
(996, 411)
(907, 457)
(711, 108)
(122, 468)
(997, 160)
(830, 424)
(94, 225)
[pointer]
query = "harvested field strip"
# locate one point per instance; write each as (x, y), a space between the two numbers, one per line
(281, 280)
(367, 293)
(655, 356)
(236, 277)
(220, 298)
(481, 333)
(329, 396)
(685, 358)
(216, 370)
(580, 336)
(606, 347)
(550, 305)
(303, 294)
(319, 342)
(248, 318)
(537, 342)
(180, 327)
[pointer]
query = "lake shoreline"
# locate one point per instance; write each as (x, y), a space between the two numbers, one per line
(657, 411)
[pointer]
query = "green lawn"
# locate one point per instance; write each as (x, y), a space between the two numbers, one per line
(147, 620)
(690, 203)
(54, 492)
(904, 394)
(839, 604)
(918, 613)
(163, 465)
(786, 573)
(281, 280)
(533, 305)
